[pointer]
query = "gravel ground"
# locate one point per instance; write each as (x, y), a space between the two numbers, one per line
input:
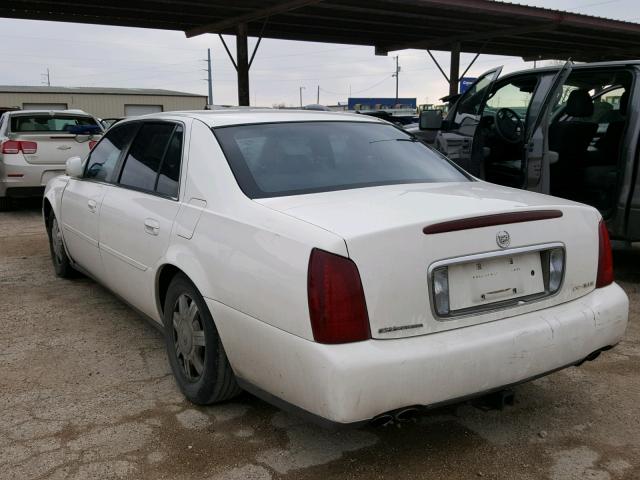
(86, 392)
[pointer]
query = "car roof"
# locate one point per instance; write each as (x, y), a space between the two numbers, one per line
(244, 116)
(48, 112)
(577, 66)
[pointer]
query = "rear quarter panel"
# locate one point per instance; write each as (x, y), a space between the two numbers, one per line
(242, 254)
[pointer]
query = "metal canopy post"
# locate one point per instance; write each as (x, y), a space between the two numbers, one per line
(242, 61)
(454, 70)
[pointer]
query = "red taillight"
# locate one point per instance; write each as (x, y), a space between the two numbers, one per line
(29, 147)
(15, 146)
(605, 258)
(337, 306)
(92, 143)
(10, 146)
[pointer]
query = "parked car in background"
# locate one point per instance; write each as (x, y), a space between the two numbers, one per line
(108, 122)
(35, 146)
(332, 262)
(571, 131)
(400, 120)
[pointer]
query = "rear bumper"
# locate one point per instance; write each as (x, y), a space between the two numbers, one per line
(19, 178)
(355, 382)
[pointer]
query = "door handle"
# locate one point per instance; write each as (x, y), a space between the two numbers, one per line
(92, 204)
(151, 226)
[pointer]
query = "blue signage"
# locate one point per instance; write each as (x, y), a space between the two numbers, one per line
(465, 83)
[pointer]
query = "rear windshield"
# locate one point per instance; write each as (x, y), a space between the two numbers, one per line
(270, 160)
(49, 123)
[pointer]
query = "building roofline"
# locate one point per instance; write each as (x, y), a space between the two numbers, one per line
(95, 91)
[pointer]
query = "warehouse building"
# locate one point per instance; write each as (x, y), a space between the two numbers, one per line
(101, 102)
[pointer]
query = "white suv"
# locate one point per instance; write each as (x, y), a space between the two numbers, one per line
(35, 146)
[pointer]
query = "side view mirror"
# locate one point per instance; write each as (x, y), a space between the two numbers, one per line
(74, 167)
(431, 120)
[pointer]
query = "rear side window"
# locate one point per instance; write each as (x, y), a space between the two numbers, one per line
(105, 155)
(169, 176)
(153, 161)
(49, 123)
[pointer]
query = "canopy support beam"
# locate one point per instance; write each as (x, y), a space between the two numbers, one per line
(242, 60)
(454, 69)
(242, 63)
(259, 14)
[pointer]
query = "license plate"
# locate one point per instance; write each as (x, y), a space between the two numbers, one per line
(487, 281)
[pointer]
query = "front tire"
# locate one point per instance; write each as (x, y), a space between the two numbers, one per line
(59, 258)
(196, 355)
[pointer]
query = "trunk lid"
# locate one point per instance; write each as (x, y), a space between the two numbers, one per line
(383, 230)
(55, 148)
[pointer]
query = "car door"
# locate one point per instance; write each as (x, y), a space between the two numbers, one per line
(82, 200)
(456, 140)
(537, 157)
(138, 212)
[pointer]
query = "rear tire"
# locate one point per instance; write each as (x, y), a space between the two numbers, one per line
(196, 355)
(5, 204)
(59, 258)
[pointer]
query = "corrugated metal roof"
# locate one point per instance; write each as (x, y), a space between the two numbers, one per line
(95, 91)
(488, 27)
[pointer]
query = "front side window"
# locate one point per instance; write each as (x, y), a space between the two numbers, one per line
(105, 155)
(296, 158)
(38, 123)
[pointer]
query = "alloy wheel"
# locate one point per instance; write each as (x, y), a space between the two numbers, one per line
(188, 337)
(56, 242)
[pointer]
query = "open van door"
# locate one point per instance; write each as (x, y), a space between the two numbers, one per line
(537, 157)
(455, 139)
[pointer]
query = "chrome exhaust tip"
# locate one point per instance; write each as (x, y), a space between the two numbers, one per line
(406, 415)
(383, 420)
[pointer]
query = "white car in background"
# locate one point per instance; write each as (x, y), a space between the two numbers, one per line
(35, 145)
(331, 261)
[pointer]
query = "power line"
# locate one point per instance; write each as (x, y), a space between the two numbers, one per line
(93, 42)
(99, 59)
(387, 77)
(595, 4)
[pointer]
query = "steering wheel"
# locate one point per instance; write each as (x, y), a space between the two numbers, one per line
(509, 126)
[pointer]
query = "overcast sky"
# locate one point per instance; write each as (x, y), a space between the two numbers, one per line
(89, 55)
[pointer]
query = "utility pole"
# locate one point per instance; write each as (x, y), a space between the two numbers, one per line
(318, 96)
(301, 88)
(46, 78)
(397, 75)
(209, 76)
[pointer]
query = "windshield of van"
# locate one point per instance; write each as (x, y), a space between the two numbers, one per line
(279, 159)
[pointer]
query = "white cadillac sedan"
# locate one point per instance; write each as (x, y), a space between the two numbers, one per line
(331, 262)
